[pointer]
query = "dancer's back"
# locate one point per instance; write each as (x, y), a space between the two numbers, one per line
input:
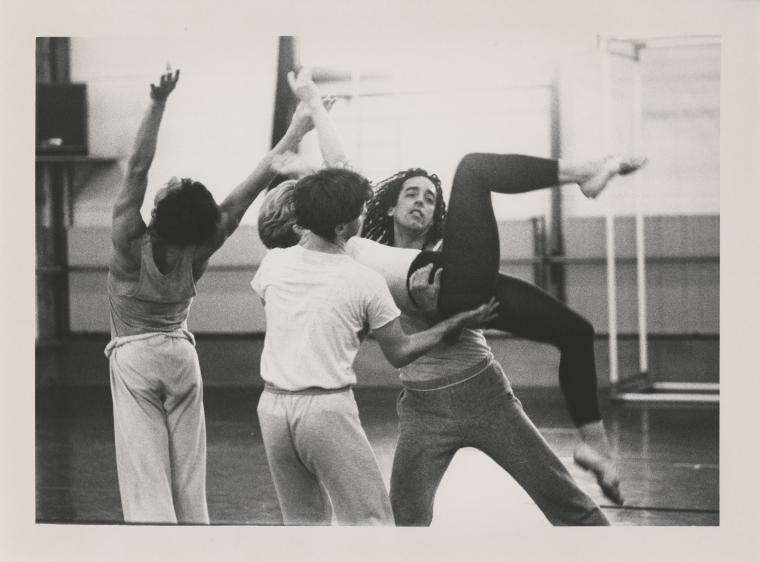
(147, 299)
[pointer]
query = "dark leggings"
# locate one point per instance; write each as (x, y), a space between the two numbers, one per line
(471, 275)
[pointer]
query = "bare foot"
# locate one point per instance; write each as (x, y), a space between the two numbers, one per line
(608, 169)
(603, 468)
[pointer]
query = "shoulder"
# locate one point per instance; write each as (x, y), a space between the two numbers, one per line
(279, 256)
(128, 255)
(266, 270)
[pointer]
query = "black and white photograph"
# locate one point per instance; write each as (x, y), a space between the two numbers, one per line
(447, 285)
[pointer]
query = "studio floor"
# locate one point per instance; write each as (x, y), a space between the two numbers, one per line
(668, 455)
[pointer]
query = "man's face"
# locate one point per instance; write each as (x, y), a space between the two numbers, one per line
(415, 205)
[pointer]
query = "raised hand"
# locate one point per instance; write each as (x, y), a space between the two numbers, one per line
(304, 87)
(302, 114)
(165, 85)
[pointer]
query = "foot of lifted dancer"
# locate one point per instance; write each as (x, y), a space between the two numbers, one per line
(594, 454)
(594, 176)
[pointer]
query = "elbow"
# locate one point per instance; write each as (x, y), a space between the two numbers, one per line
(396, 363)
(399, 359)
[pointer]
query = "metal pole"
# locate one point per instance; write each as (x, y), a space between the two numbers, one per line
(641, 289)
(609, 219)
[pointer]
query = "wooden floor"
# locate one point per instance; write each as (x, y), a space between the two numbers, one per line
(668, 455)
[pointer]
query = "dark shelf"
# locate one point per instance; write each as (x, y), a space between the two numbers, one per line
(68, 159)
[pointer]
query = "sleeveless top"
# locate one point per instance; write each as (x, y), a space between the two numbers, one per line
(156, 302)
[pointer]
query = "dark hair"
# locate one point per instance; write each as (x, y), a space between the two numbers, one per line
(329, 198)
(188, 215)
(277, 218)
(378, 225)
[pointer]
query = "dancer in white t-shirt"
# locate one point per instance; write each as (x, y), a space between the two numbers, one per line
(319, 304)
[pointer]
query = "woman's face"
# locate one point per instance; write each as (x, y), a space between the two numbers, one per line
(415, 206)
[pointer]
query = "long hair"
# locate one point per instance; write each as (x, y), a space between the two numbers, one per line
(378, 225)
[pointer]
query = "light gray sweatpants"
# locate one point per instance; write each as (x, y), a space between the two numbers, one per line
(159, 428)
(320, 459)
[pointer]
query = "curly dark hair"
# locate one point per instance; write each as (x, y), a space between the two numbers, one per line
(187, 216)
(378, 225)
(329, 198)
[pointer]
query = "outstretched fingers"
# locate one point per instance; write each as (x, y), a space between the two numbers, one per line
(166, 85)
(489, 310)
(482, 315)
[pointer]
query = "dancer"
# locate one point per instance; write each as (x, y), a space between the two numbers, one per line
(408, 211)
(405, 211)
(319, 303)
(156, 385)
(485, 414)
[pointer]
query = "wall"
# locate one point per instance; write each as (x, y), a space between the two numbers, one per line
(225, 301)
(219, 121)
(217, 124)
(683, 295)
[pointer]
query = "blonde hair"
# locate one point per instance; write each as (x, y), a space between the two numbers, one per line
(277, 217)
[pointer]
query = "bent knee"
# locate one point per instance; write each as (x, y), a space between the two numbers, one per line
(471, 163)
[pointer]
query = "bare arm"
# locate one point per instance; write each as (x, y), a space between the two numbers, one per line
(237, 202)
(127, 223)
(401, 348)
(329, 140)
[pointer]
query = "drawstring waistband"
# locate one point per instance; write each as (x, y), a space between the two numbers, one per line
(305, 391)
(121, 340)
(450, 380)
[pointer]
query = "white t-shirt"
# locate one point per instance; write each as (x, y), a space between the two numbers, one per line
(318, 308)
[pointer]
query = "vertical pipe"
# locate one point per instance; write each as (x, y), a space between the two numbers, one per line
(641, 287)
(556, 235)
(61, 196)
(284, 100)
(609, 220)
(539, 251)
